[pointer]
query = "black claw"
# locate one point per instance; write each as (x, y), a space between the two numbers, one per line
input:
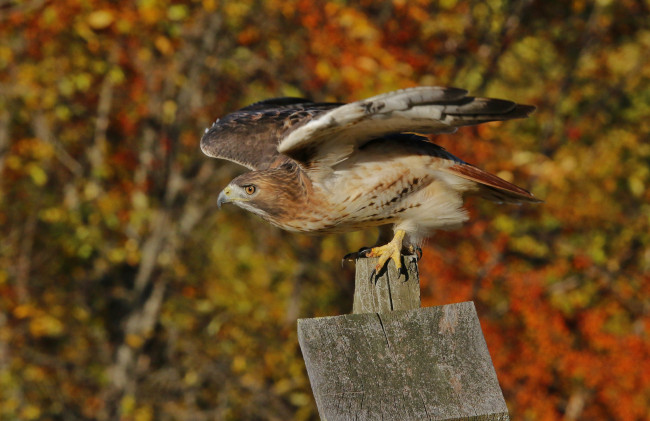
(364, 251)
(403, 271)
(418, 253)
(376, 274)
(355, 255)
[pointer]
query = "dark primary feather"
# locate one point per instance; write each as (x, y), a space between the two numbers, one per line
(250, 135)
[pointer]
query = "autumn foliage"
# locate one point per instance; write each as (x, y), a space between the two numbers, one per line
(125, 294)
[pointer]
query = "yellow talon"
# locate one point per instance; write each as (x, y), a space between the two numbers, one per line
(392, 250)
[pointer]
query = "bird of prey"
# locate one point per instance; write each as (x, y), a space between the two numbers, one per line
(334, 167)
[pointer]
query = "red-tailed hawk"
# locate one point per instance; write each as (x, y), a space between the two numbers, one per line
(331, 167)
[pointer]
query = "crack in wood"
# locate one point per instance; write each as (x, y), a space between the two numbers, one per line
(381, 323)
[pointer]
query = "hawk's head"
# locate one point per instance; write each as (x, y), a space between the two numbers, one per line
(271, 194)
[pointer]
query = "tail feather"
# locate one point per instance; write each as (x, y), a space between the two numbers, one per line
(492, 187)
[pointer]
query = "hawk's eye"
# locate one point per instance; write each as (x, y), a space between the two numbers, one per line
(250, 189)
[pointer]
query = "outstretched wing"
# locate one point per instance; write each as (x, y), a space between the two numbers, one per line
(332, 136)
(250, 136)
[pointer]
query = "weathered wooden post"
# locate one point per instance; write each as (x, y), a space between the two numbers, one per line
(392, 360)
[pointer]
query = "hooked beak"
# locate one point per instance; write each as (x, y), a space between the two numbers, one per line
(224, 196)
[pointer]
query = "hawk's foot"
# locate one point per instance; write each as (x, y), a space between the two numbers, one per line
(392, 250)
(364, 252)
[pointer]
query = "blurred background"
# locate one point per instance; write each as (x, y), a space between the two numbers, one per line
(125, 294)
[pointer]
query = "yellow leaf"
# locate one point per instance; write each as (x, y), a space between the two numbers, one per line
(163, 45)
(177, 12)
(45, 325)
(239, 363)
(143, 414)
(128, 404)
(100, 19)
(191, 378)
(209, 5)
(506, 175)
(30, 412)
(24, 311)
(38, 175)
(299, 399)
(134, 341)
(636, 185)
(169, 111)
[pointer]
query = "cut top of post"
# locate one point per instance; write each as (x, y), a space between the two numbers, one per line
(390, 290)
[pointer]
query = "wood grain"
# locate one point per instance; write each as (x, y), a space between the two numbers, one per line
(423, 364)
(390, 290)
